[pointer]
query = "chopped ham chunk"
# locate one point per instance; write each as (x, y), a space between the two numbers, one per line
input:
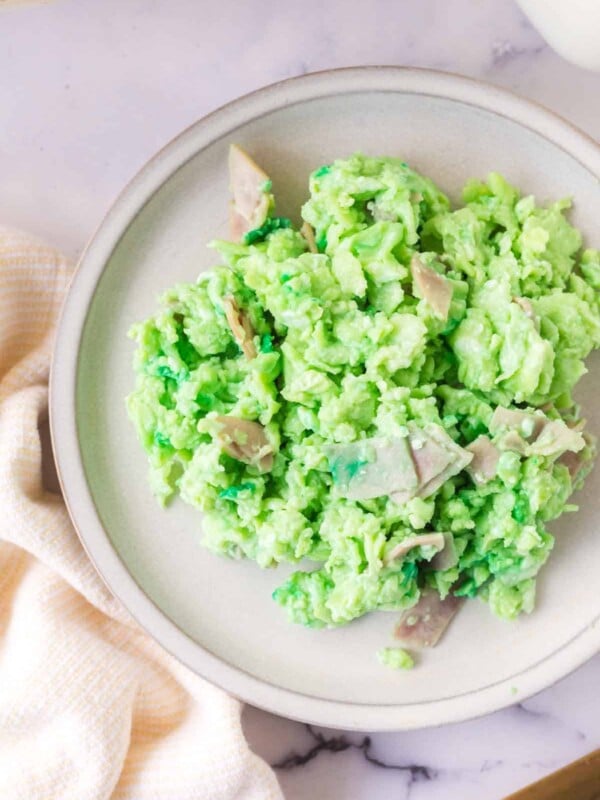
(573, 462)
(250, 203)
(437, 457)
(307, 231)
(238, 225)
(434, 288)
(556, 437)
(423, 624)
(512, 441)
(245, 441)
(527, 425)
(419, 540)
(241, 327)
(372, 467)
(525, 305)
(414, 466)
(534, 434)
(447, 557)
(484, 465)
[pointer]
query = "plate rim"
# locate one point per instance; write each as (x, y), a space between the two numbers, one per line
(64, 371)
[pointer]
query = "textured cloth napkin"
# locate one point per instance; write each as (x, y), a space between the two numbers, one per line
(90, 707)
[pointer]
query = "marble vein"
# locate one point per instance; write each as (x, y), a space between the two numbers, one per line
(414, 773)
(338, 744)
(546, 717)
(504, 52)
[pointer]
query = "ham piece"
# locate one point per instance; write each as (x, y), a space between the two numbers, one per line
(245, 441)
(534, 434)
(241, 327)
(249, 206)
(434, 288)
(424, 623)
(484, 465)
(419, 540)
(401, 467)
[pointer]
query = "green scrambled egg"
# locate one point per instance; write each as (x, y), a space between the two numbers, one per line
(385, 396)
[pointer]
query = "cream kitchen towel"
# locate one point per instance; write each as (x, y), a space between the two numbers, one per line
(90, 707)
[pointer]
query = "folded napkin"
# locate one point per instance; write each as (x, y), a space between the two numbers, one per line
(90, 706)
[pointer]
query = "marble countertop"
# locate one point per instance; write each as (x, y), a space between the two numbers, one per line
(90, 90)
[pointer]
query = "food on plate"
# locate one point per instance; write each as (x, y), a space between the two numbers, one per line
(382, 392)
(424, 624)
(395, 657)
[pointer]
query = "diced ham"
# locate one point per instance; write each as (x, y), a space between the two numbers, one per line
(401, 496)
(484, 465)
(250, 203)
(573, 462)
(419, 540)
(527, 425)
(447, 556)
(430, 458)
(424, 623)
(372, 467)
(525, 305)
(534, 434)
(434, 288)
(414, 466)
(241, 327)
(238, 225)
(513, 442)
(307, 231)
(437, 457)
(245, 441)
(556, 437)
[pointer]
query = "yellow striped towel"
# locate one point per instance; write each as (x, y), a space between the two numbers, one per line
(90, 707)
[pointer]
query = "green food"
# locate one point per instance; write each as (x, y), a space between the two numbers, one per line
(395, 658)
(360, 360)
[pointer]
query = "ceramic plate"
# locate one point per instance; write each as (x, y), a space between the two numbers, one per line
(215, 615)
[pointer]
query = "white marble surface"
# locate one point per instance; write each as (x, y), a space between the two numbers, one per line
(90, 89)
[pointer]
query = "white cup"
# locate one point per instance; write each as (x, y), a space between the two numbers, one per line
(571, 27)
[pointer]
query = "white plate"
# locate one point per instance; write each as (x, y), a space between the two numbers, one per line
(215, 615)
